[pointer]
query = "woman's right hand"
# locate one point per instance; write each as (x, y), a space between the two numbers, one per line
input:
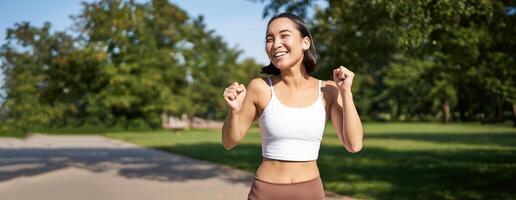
(234, 96)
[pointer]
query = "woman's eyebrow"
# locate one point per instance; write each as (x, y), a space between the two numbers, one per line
(284, 30)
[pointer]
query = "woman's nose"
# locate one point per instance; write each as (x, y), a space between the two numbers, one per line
(277, 44)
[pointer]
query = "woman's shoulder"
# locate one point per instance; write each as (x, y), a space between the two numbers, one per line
(258, 85)
(327, 83)
(329, 88)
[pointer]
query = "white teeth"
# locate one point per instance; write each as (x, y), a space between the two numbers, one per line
(280, 54)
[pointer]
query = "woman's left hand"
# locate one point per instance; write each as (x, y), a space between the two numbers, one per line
(343, 77)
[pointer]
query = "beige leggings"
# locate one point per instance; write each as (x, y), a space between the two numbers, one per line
(306, 190)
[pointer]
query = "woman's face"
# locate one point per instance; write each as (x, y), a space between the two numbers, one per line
(284, 44)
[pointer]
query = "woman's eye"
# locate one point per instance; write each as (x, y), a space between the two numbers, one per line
(284, 36)
(268, 40)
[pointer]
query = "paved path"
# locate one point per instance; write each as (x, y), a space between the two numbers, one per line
(44, 167)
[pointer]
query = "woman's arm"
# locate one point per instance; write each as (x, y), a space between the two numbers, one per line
(241, 112)
(343, 112)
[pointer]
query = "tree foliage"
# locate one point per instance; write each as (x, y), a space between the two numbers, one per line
(420, 59)
(126, 64)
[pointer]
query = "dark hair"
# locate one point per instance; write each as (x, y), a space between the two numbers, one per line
(308, 56)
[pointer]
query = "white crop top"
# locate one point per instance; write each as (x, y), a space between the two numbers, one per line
(291, 133)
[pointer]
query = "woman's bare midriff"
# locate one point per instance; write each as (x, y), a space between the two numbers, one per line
(279, 171)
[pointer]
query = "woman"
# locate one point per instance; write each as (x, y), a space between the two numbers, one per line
(292, 108)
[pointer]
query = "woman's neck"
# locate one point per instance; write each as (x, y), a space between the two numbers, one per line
(294, 76)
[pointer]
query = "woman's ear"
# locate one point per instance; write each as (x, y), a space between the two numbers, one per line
(306, 43)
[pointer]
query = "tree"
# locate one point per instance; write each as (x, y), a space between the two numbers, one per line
(451, 41)
(26, 74)
(129, 63)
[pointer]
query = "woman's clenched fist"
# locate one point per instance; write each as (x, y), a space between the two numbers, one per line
(234, 96)
(343, 77)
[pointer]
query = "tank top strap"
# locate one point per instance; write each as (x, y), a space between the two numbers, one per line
(270, 85)
(320, 85)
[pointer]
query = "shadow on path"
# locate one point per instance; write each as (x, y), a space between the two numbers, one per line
(127, 161)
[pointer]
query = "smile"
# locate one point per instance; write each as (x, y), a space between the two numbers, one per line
(279, 54)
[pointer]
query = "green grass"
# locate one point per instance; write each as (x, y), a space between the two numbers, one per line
(398, 161)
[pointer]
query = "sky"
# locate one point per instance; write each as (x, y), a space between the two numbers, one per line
(239, 22)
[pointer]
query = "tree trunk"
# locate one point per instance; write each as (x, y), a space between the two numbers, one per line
(499, 113)
(514, 115)
(462, 110)
(164, 120)
(398, 111)
(445, 108)
(462, 104)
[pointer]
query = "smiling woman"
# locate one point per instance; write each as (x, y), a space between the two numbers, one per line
(308, 53)
(292, 108)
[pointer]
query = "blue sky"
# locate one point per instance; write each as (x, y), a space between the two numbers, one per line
(239, 22)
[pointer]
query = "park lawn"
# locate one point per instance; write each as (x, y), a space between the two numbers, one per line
(398, 161)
